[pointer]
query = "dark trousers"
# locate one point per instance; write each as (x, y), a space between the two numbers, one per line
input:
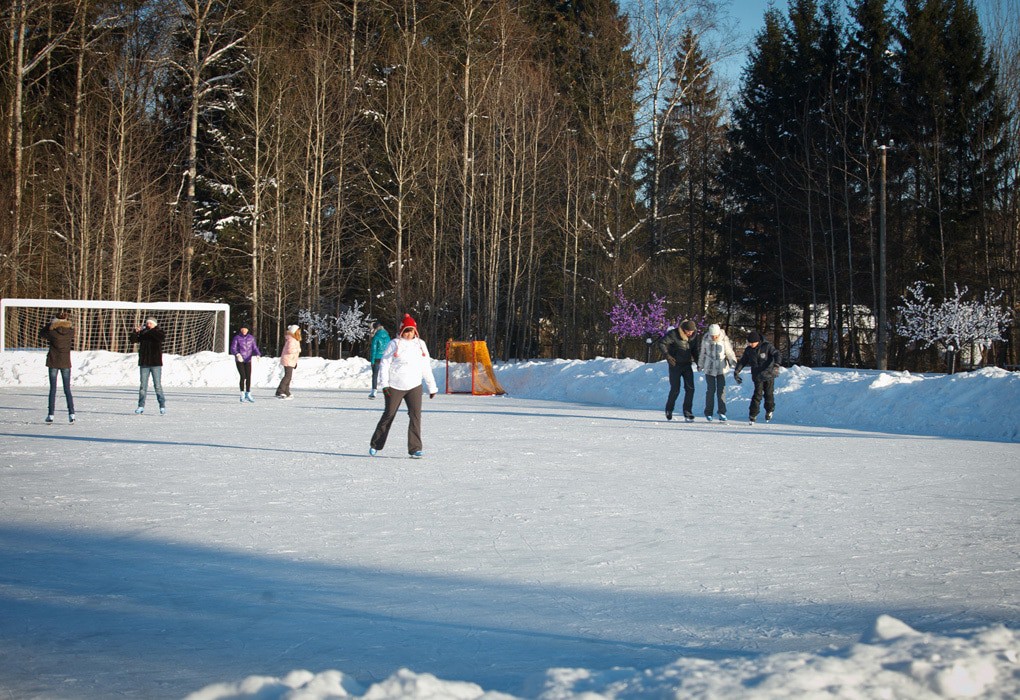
(65, 377)
(681, 371)
(412, 397)
(715, 389)
(763, 387)
(284, 388)
(244, 369)
(375, 373)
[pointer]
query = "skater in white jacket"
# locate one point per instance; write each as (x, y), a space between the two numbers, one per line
(404, 367)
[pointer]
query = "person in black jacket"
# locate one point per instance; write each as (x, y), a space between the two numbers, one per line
(150, 362)
(59, 333)
(764, 360)
(680, 346)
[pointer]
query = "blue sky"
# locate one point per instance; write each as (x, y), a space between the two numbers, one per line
(747, 17)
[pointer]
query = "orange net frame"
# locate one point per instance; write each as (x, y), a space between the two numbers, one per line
(469, 369)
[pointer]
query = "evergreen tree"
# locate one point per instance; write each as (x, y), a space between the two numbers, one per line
(752, 168)
(690, 188)
(951, 120)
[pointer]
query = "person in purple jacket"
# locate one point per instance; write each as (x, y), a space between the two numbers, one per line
(243, 347)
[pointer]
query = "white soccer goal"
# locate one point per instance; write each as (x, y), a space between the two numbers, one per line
(107, 325)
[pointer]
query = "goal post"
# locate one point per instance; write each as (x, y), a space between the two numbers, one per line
(469, 369)
(190, 327)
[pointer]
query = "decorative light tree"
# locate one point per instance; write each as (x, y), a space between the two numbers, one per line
(955, 323)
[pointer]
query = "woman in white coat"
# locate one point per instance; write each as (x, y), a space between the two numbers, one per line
(404, 367)
(715, 357)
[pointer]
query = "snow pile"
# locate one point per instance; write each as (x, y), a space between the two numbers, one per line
(204, 369)
(979, 405)
(892, 661)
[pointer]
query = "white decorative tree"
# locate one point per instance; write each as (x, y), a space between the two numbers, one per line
(954, 324)
(352, 325)
(317, 326)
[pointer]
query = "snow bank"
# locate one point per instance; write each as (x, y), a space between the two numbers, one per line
(979, 405)
(891, 661)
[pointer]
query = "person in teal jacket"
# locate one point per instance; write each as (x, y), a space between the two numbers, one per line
(380, 339)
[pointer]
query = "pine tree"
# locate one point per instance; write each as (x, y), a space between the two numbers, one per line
(689, 182)
(951, 119)
(752, 168)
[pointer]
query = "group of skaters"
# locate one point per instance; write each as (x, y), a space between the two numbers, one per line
(712, 353)
(402, 370)
(400, 366)
(149, 336)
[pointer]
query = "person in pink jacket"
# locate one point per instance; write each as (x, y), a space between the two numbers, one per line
(288, 358)
(404, 367)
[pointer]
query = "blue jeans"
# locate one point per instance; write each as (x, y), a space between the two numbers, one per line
(143, 384)
(65, 377)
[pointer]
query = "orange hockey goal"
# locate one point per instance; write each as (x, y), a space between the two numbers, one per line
(469, 369)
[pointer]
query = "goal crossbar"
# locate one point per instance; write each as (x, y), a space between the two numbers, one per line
(219, 343)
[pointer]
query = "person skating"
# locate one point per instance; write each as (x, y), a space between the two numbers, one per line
(764, 360)
(243, 347)
(716, 356)
(404, 367)
(380, 339)
(680, 346)
(288, 358)
(59, 333)
(149, 337)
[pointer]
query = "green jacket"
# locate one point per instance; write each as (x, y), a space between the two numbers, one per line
(379, 342)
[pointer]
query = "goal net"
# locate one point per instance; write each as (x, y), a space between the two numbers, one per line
(107, 325)
(469, 369)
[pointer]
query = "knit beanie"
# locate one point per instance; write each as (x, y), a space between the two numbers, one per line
(713, 330)
(293, 329)
(150, 318)
(408, 322)
(754, 337)
(688, 326)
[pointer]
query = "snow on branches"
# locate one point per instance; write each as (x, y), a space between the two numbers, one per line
(352, 325)
(349, 326)
(955, 323)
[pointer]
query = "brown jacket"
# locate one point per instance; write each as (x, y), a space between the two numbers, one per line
(60, 334)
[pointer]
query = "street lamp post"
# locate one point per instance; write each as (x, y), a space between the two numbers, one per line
(881, 344)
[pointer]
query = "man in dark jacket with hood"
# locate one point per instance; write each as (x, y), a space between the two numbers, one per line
(150, 362)
(59, 333)
(764, 360)
(680, 346)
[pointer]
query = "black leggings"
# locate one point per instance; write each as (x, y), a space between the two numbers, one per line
(244, 369)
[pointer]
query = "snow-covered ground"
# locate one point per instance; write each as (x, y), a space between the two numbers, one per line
(562, 542)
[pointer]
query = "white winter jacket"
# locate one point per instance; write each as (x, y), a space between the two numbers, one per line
(405, 364)
(716, 356)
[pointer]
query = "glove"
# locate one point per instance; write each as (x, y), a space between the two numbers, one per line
(671, 360)
(432, 395)
(238, 357)
(386, 391)
(736, 376)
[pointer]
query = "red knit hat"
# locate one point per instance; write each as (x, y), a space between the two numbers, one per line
(408, 322)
